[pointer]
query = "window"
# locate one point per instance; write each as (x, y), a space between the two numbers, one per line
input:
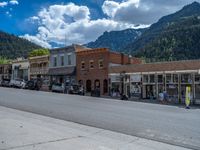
(197, 78)
(55, 61)
(62, 60)
(152, 78)
(91, 64)
(160, 78)
(168, 78)
(82, 65)
(100, 63)
(146, 78)
(69, 60)
(175, 78)
(186, 78)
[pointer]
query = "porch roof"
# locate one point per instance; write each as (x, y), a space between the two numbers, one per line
(157, 67)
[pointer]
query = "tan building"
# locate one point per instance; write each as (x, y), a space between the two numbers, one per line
(92, 68)
(148, 80)
(20, 69)
(39, 66)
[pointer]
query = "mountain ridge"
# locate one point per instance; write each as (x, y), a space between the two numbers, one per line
(115, 40)
(12, 46)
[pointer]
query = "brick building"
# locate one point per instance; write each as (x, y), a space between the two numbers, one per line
(148, 80)
(92, 67)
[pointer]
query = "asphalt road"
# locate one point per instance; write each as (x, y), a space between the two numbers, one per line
(168, 124)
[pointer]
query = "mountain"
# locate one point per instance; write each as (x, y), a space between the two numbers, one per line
(173, 37)
(115, 40)
(12, 46)
(179, 41)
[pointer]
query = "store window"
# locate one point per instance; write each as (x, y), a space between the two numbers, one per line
(152, 78)
(146, 78)
(197, 78)
(197, 91)
(91, 64)
(168, 78)
(160, 78)
(186, 78)
(175, 78)
(83, 65)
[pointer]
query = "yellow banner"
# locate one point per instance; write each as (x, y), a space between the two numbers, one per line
(187, 95)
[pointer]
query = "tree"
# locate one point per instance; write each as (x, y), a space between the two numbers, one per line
(3, 60)
(39, 52)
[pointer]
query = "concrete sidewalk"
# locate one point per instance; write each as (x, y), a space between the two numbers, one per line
(26, 131)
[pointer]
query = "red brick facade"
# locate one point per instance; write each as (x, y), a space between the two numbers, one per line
(92, 67)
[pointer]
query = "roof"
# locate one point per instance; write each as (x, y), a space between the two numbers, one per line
(38, 57)
(91, 50)
(156, 67)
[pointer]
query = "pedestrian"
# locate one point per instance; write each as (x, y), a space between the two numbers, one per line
(165, 95)
(161, 97)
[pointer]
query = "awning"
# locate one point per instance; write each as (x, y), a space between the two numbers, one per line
(62, 71)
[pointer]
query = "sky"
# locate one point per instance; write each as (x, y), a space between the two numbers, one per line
(54, 23)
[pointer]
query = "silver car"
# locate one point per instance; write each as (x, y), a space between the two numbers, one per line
(58, 87)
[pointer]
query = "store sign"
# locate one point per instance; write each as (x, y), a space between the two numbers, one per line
(115, 78)
(172, 86)
(135, 78)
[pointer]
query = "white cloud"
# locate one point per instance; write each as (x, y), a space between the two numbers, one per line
(34, 18)
(3, 4)
(14, 2)
(71, 23)
(141, 11)
(36, 39)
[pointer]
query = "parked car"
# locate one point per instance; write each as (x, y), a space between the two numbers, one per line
(58, 87)
(34, 84)
(17, 83)
(5, 83)
(76, 89)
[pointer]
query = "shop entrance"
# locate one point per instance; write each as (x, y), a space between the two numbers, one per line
(88, 85)
(150, 91)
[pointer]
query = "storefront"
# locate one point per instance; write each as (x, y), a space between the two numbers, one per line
(116, 83)
(172, 78)
(149, 86)
(135, 85)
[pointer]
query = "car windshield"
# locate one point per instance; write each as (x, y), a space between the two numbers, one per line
(57, 84)
(19, 80)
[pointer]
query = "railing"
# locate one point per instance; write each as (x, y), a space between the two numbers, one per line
(39, 70)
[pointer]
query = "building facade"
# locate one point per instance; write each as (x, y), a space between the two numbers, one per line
(39, 67)
(148, 80)
(92, 68)
(5, 71)
(62, 66)
(21, 69)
